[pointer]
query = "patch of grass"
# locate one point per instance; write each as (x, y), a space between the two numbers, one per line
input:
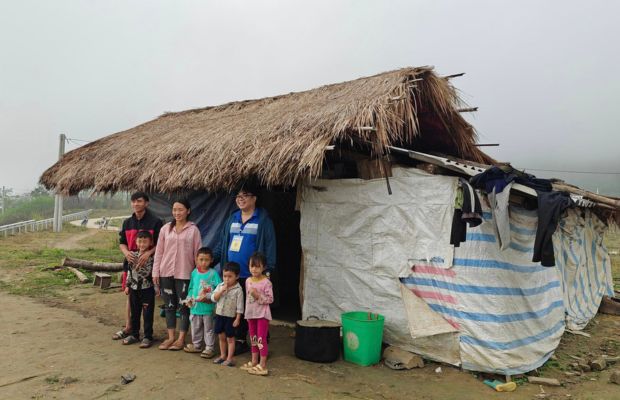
(39, 283)
(24, 260)
(52, 379)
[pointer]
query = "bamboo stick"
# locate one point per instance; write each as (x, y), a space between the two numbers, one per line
(453, 75)
(470, 109)
(589, 195)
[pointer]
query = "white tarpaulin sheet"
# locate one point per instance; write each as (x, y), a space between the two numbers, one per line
(475, 305)
(358, 240)
(584, 264)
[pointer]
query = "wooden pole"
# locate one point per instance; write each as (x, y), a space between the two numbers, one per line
(589, 195)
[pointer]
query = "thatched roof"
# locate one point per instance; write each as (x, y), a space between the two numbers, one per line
(278, 139)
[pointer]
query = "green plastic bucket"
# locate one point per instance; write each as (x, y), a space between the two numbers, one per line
(362, 334)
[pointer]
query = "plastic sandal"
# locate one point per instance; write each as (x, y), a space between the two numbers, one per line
(120, 335)
(175, 347)
(258, 370)
(190, 348)
(165, 345)
(247, 366)
(207, 354)
(218, 360)
(146, 343)
(130, 340)
(228, 363)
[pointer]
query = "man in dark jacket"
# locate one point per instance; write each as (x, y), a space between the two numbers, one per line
(141, 220)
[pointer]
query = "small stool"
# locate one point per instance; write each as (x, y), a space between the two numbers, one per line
(102, 280)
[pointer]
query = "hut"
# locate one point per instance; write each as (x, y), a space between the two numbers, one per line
(361, 178)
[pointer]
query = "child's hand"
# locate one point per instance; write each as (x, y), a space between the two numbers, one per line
(131, 258)
(254, 293)
(141, 261)
(157, 291)
(126, 290)
(236, 322)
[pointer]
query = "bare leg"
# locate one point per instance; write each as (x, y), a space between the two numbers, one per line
(222, 340)
(181, 340)
(231, 348)
(263, 361)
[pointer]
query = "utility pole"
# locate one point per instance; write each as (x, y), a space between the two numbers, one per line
(58, 198)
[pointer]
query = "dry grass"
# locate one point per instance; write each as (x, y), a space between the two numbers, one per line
(279, 139)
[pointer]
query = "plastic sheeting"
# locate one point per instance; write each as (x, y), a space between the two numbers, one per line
(508, 309)
(358, 240)
(584, 264)
(209, 212)
(475, 305)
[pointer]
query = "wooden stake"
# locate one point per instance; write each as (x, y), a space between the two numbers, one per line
(81, 277)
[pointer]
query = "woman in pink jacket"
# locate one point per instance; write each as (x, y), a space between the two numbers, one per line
(175, 253)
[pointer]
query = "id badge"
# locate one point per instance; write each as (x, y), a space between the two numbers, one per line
(236, 243)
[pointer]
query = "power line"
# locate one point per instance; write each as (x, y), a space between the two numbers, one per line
(78, 140)
(574, 172)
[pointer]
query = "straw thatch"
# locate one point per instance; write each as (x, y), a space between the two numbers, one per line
(278, 139)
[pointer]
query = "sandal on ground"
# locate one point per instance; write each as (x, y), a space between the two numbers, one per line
(190, 348)
(165, 345)
(120, 335)
(207, 354)
(130, 340)
(176, 346)
(247, 366)
(218, 360)
(258, 370)
(228, 363)
(146, 343)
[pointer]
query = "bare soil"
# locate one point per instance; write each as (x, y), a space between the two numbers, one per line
(60, 348)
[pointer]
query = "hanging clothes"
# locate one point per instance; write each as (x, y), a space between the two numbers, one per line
(472, 211)
(498, 177)
(501, 215)
(550, 208)
(467, 210)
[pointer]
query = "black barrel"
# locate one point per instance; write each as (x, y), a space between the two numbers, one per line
(317, 340)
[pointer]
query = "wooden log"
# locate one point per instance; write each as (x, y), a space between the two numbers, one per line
(92, 266)
(543, 381)
(81, 277)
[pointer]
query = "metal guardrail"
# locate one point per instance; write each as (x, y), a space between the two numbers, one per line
(32, 225)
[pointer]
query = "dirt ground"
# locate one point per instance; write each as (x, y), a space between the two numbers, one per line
(60, 347)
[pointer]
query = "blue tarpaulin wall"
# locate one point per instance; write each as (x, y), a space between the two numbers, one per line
(209, 211)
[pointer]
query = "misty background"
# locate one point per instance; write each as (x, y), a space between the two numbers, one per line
(543, 74)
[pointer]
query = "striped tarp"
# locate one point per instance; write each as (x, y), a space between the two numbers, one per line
(584, 264)
(509, 310)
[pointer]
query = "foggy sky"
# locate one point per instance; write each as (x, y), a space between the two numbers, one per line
(544, 74)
